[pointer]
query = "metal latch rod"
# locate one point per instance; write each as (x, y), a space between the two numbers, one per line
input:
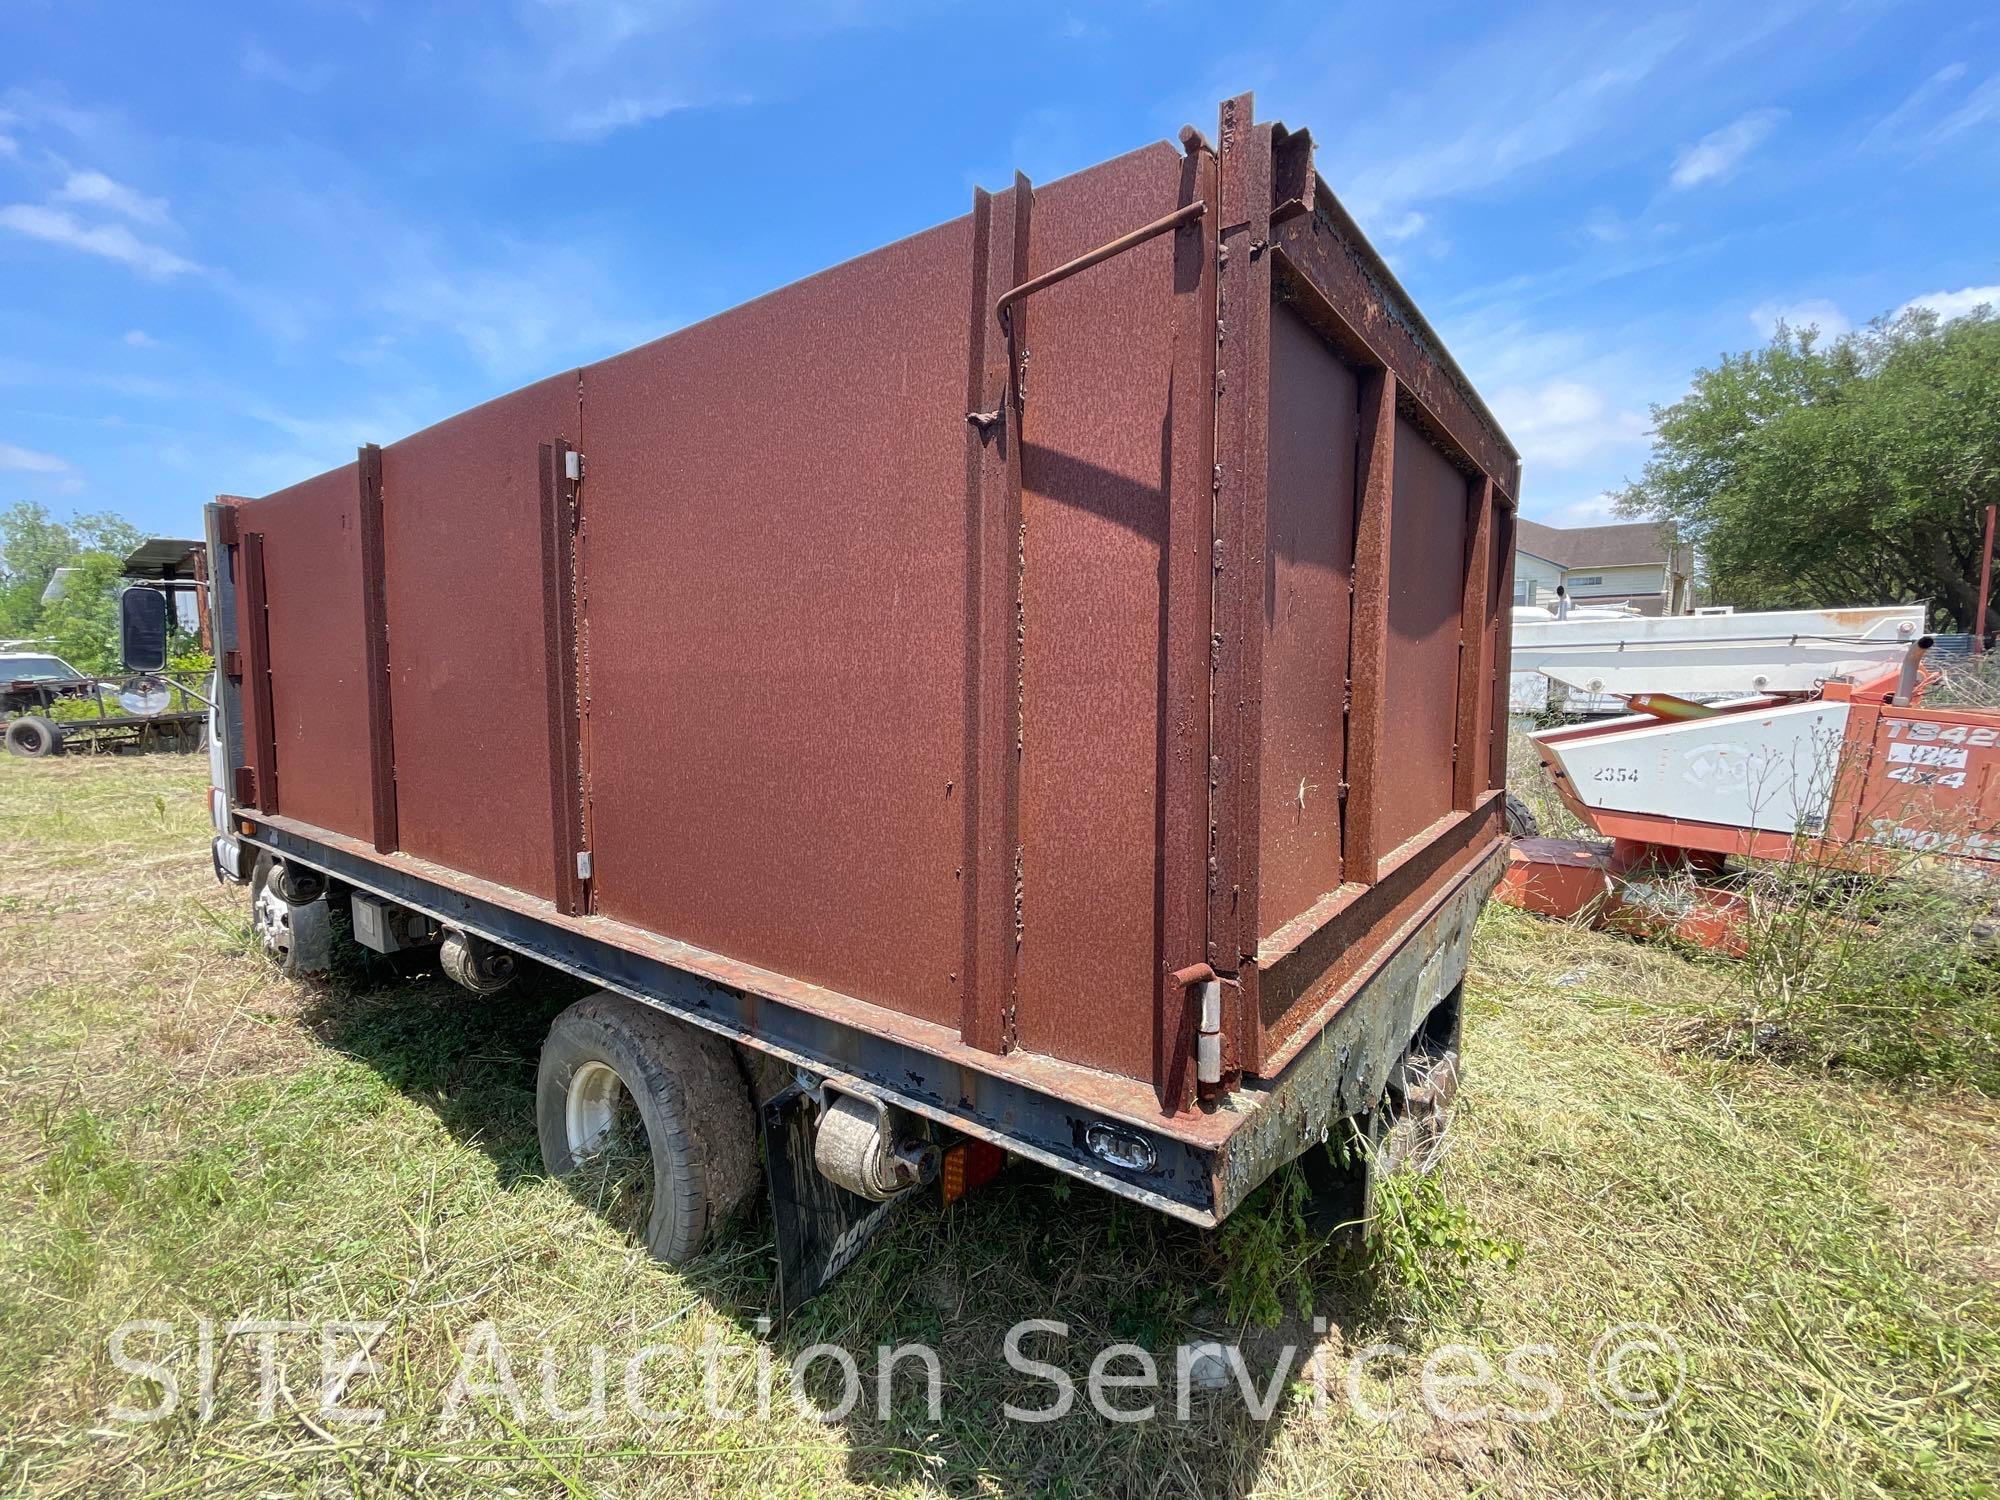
(1186, 214)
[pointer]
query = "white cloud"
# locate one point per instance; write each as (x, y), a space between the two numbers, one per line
(1816, 312)
(27, 461)
(138, 338)
(619, 114)
(1979, 108)
(99, 191)
(1543, 84)
(1716, 155)
(1956, 304)
(1900, 121)
(1592, 512)
(9, 146)
(1398, 228)
(112, 241)
(1565, 424)
(258, 61)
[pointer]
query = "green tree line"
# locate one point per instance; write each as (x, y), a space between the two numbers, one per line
(1855, 470)
(81, 623)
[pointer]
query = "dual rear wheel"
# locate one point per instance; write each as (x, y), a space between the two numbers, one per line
(648, 1118)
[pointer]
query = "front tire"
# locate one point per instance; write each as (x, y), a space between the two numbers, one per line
(607, 1057)
(296, 936)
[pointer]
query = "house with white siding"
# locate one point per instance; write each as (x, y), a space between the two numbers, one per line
(1631, 564)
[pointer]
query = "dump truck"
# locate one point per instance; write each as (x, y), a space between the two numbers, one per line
(1035, 690)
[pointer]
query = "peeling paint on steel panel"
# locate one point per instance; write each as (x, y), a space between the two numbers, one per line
(319, 664)
(775, 616)
(1096, 474)
(1426, 584)
(1308, 569)
(461, 507)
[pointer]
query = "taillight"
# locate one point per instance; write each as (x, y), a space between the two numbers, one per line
(967, 1165)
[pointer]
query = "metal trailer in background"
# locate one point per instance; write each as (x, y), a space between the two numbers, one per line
(1038, 687)
(152, 709)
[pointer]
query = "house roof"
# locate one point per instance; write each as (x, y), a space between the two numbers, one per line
(1634, 543)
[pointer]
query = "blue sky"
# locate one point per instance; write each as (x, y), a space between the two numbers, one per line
(235, 241)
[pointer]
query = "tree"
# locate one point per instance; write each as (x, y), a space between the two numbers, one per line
(81, 624)
(1811, 474)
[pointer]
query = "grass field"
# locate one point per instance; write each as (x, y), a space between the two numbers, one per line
(189, 1137)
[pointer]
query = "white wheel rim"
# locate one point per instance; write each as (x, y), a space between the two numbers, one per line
(587, 1114)
(274, 920)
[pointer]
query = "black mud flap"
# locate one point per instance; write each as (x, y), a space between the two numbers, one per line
(821, 1227)
(1341, 1181)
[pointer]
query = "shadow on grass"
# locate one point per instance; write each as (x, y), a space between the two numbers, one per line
(1098, 1271)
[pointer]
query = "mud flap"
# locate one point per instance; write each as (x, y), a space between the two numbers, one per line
(821, 1227)
(1341, 1180)
(1405, 1132)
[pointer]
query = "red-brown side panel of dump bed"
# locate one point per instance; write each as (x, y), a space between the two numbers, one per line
(774, 566)
(461, 510)
(1097, 461)
(1426, 583)
(314, 621)
(1308, 569)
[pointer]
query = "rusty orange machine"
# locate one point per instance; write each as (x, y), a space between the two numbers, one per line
(1857, 773)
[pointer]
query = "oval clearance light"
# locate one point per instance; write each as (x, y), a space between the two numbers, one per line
(1123, 1149)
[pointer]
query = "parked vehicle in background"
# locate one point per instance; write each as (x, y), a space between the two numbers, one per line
(50, 706)
(31, 683)
(1035, 689)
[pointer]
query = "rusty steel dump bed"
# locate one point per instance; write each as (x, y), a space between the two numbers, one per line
(934, 669)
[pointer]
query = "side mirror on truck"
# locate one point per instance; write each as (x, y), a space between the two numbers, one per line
(142, 629)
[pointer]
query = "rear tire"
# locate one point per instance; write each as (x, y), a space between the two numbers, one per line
(606, 1053)
(1521, 820)
(34, 736)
